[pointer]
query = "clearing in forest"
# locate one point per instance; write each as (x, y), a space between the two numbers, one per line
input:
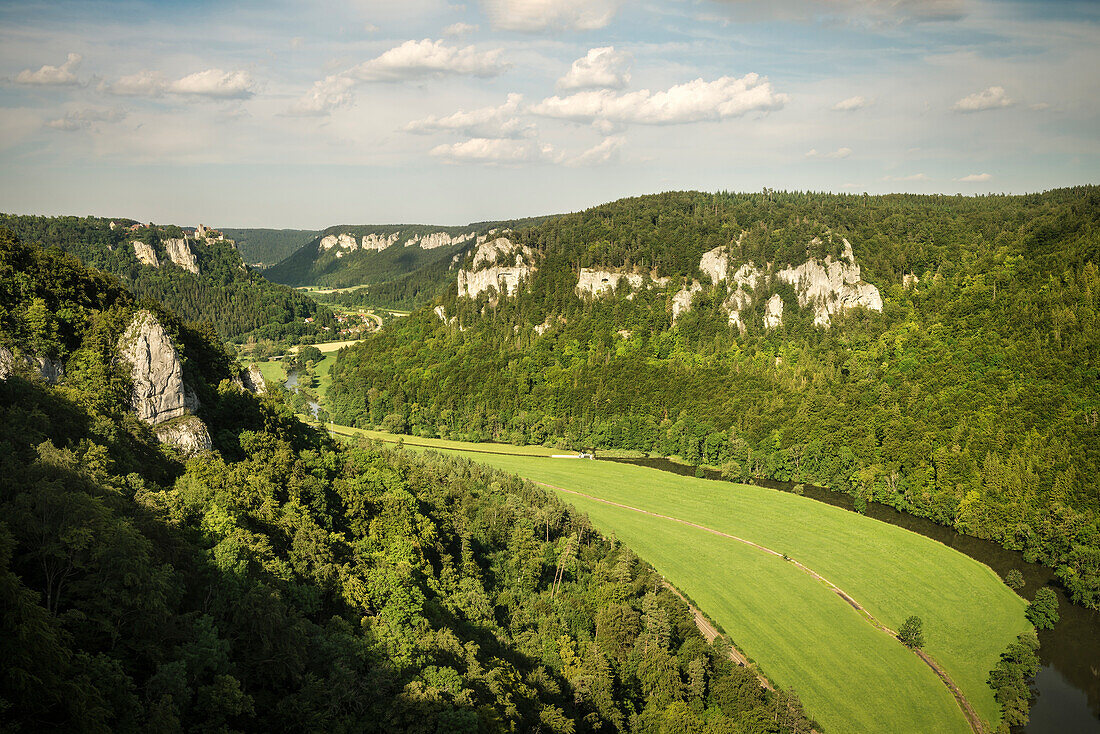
(850, 675)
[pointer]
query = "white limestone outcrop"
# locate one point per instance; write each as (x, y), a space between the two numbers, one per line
(251, 379)
(595, 282)
(146, 254)
(48, 369)
(378, 242)
(831, 286)
(179, 250)
(498, 264)
(773, 314)
(715, 263)
(188, 434)
(438, 239)
(909, 280)
(155, 369)
(681, 301)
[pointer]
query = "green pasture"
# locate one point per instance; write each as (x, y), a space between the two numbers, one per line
(851, 676)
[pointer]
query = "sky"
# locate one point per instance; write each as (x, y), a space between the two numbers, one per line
(308, 114)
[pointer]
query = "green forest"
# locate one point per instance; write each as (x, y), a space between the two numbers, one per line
(236, 301)
(268, 246)
(971, 399)
(285, 582)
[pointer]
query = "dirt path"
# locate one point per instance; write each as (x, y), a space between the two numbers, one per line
(971, 716)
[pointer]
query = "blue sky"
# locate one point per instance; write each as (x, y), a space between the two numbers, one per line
(307, 114)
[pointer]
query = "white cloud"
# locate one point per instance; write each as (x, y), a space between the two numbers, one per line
(850, 104)
(215, 83)
(84, 118)
(836, 154)
(604, 152)
(484, 122)
(52, 76)
(417, 59)
(495, 151)
(209, 83)
(554, 15)
(989, 99)
(324, 96)
(690, 102)
(913, 177)
(459, 29)
(600, 68)
(976, 178)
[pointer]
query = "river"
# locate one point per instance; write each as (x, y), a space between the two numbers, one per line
(292, 384)
(1067, 688)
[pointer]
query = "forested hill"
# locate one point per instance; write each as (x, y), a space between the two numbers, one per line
(282, 582)
(936, 353)
(202, 279)
(268, 246)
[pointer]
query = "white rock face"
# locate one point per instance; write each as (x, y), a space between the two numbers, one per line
(499, 264)
(438, 239)
(179, 250)
(7, 363)
(155, 369)
(681, 302)
(49, 370)
(377, 242)
(773, 316)
(491, 234)
(146, 254)
(251, 379)
(831, 286)
(715, 264)
(594, 282)
(189, 434)
(909, 280)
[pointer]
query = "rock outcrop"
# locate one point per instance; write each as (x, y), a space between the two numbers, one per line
(188, 434)
(715, 263)
(155, 369)
(146, 254)
(831, 286)
(773, 314)
(250, 378)
(681, 302)
(594, 282)
(437, 239)
(909, 280)
(48, 369)
(378, 242)
(7, 363)
(500, 264)
(179, 250)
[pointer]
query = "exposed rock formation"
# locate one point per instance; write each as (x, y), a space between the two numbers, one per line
(438, 239)
(188, 434)
(179, 250)
(596, 282)
(716, 264)
(154, 368)
(345, 243)
(486, 273)
(909, 280)
(831, 286)
(773, 315)
(7, 363)
(146, 254)
(377, 242)
(49, 370)
(250, 379)
(681, 302)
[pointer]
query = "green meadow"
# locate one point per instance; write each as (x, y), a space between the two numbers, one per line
(851, 676)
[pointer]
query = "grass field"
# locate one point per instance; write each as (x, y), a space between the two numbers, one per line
(851, 676)
(272, 371)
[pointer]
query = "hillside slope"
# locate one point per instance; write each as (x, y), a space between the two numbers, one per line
(930, 352)
(267, 247)
(203, 279)
(279, 582)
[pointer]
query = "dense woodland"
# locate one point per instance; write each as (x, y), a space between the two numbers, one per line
(268, 246)
(225, 293)
(287, 583)
(972, 399)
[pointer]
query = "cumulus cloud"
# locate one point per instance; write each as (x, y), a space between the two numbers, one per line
(209, 83)
(603, 152)
(426, 58)
(850, 104)
(484, 122)
(690, 102)
(84, 118)
(836, 154)
(411, 60)
(976, 178)
(989, 99)
(913, 177)
(459, 29)
(600, 68)
(495, 151)
(52, 76)
(553, 15)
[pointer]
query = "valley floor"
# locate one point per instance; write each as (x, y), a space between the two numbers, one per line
(851, 675)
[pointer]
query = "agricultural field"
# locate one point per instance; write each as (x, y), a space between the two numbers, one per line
(850, 675)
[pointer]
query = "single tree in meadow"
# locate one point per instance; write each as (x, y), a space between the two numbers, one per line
(911, 633)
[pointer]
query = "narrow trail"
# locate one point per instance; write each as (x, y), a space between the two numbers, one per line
(968, 711)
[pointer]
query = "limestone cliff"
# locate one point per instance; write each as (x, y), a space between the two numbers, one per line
(831, 286)
(250, 379)
(48, 369)
(146, 254)
(188, 434)
(154, 368)
(715, 263)
(500, 264)
(179, 250)
(773, 314)
(438, 239)
(681, 302)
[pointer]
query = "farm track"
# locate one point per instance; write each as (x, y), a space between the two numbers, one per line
(972, 718)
